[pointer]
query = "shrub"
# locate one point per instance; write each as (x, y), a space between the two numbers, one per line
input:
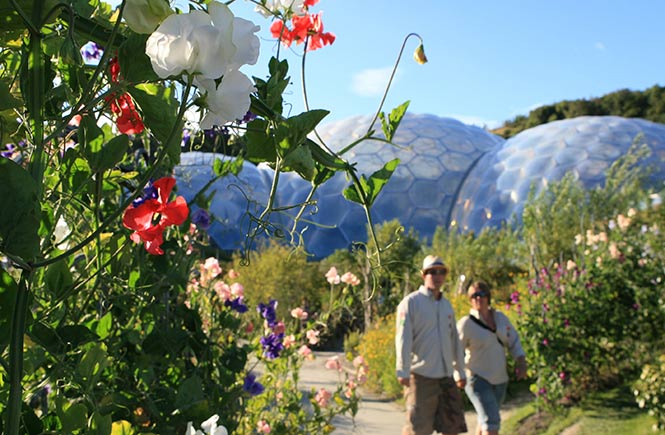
(650, 391)
(377, 345)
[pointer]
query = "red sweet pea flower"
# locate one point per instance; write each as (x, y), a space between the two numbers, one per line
(128, 119)
(149, 218)
(304, 27)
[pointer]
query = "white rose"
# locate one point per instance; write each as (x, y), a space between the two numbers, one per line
(228, 101)
(143, 16)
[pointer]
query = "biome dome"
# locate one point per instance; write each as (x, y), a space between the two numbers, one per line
(450, 173)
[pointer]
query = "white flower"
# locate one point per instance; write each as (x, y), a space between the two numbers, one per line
(209, 426)
(197, 43)
(61, 232)
(228, 101)
(143, 16)
(246, 42)
(286, 7)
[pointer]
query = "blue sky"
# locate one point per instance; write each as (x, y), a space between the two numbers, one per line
(488, 60)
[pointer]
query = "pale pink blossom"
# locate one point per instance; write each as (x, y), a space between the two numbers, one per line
(233, 274)
(623, 222)
(579, 239)
(359, 361)
(570, 265)
(305, 352)
(322, 397)
(299, 313)
(614, 251)
(262, 427)
(212, 266)
(237, 290)
(222, 290)
(350, 388)
(332, 276)
(632, 212)
(334, 364)
(349, 278)
(313, 336)
(279, 395)
(289, 341)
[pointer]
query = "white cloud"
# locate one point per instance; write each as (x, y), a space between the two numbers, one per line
(371, 82)
(599, 46)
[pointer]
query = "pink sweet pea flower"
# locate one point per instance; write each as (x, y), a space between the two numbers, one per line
(299, 313)
(322, 397)
(334, 364)
(233, 274)
(349, 278)
(262, 427)
(305, 352)
(237, 290)
(289, 341)
(313, 336)
(332, 276)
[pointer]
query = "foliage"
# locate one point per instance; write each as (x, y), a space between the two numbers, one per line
(496, 256)
(105, 330)
(377, 345)
(553, 218)
(648, 104)
(590, 320)
(275, 271)
(650, 390)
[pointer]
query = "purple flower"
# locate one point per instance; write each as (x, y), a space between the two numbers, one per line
(542, 391)
(272, 345)
(149, 192)
(9, 151)
(566, 323)
(249, 116)
(514, 297)
(201, 218)
(268, 312)
(92, 52)
(251, 386)
(545, 342)
(236, 304)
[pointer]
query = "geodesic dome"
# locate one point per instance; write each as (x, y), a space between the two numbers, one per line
(449, 173)
(498, 186)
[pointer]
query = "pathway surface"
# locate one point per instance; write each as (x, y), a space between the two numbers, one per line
(375, 415)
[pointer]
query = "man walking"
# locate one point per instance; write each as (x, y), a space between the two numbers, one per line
(430, 357)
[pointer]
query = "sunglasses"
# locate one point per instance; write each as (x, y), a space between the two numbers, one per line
(480, 294)
(436, 272)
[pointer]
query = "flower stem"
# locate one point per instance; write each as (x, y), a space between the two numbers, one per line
(16, 357)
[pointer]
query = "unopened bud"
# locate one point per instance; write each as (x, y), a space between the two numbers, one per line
(419, 55)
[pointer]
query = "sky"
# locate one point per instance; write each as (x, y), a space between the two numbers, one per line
(489, 60)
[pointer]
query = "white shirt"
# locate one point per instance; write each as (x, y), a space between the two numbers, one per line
(426, 339)
(484, 355)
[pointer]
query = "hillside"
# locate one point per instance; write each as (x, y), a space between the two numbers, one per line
(648, 104)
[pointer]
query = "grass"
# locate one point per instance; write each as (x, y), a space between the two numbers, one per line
(609, 412)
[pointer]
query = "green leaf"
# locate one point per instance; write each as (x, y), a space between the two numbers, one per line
(372, 186)
(269, 104)
(73, 416)
(390, 125)
(58, 278)
(92, 364)
(122, 427)
(100, 424)
(301, 161)
(189, 393)
(8, 291)
(19, 214)
(259, 143)
(159, 108)
(135, 65)
(7, 100)
(298, 127)
(104, 326)
(222, 168)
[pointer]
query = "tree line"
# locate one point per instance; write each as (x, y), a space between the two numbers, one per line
(648, 104)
